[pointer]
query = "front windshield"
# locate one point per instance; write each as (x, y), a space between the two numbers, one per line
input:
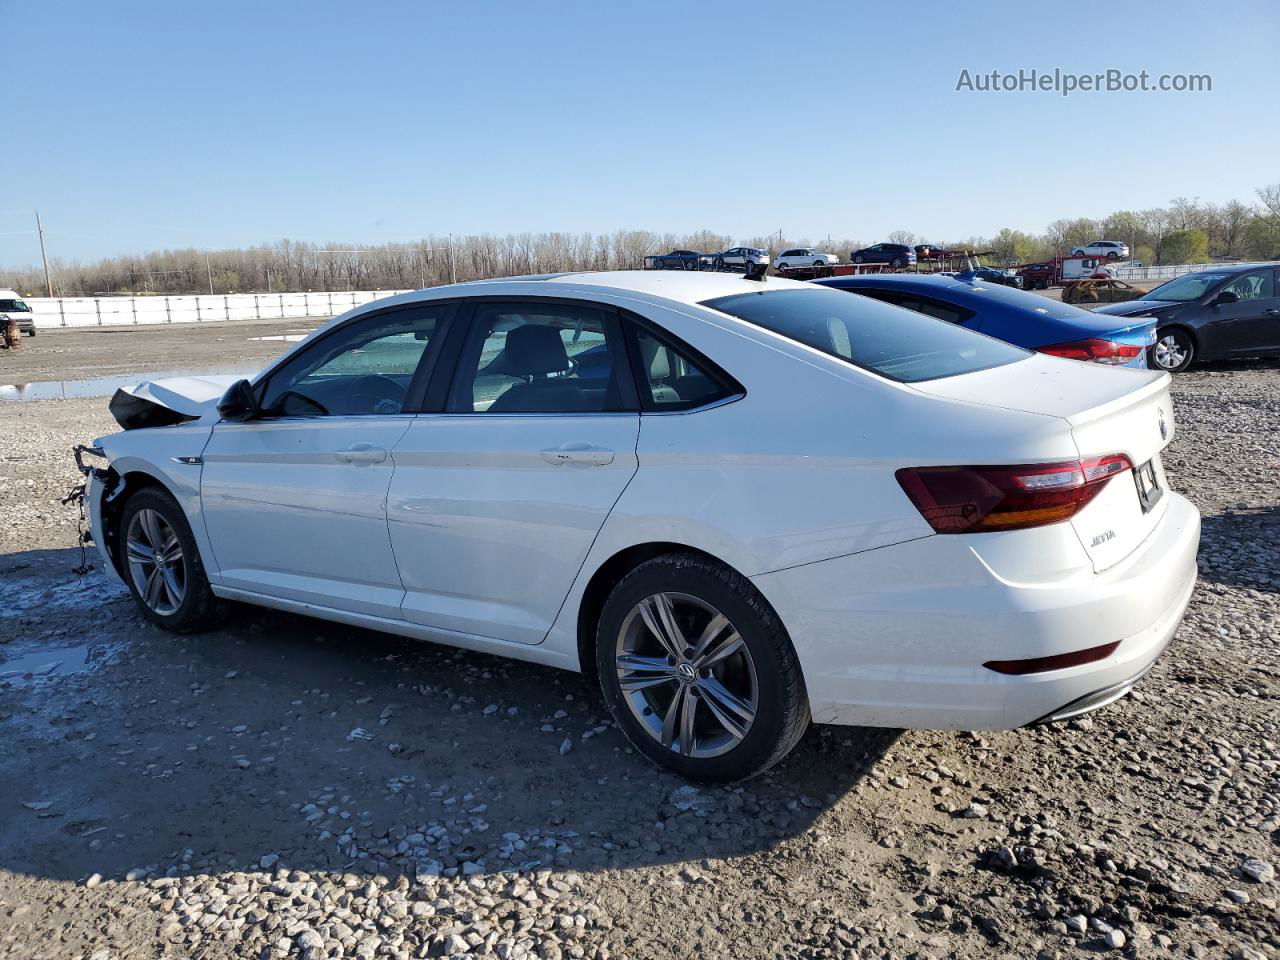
(16, 306)
(891, 341)
(1193, 286)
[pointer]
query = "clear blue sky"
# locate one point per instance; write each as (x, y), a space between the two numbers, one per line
(145, 125)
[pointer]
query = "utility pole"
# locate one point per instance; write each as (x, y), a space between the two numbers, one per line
(209, 271)
(48, 281)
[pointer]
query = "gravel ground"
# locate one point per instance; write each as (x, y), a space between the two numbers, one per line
(291, 788)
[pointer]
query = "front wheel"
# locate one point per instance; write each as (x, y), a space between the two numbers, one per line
(1173, 350)
(31, 332)
(784, 266)
(698, 671)
(162, 565)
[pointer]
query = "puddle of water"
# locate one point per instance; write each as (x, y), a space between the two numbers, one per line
(106, 386)
(21, 596)
(48, 663)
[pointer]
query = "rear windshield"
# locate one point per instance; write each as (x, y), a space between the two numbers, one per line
(891, 341)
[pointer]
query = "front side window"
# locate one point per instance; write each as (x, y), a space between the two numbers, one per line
(895, 343)
(1193, 286)
(14, 306)
(363, 370)
(669, 378)
(1252, 286)
(537, 357)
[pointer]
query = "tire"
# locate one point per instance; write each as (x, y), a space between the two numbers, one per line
(897, 263)
(31, 332)
(819, 263)
(751, 659)
(1173, 350)
(784, 266)
(859, 260)
(176, 593)
(1112, 255)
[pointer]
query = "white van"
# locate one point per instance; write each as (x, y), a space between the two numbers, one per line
(12, 307)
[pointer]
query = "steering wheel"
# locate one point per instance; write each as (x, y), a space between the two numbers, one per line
(378, 394)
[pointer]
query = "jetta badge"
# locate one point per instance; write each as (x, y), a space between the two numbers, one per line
(1164, 427)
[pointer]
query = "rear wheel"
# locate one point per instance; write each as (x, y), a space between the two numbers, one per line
(897, 263)
(162, 566)
(1173, 350)
(697, 670)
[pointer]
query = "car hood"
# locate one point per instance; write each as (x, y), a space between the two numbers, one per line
(1135, 308)
(156, 403)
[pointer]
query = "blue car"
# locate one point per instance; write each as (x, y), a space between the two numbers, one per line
(1025, 319)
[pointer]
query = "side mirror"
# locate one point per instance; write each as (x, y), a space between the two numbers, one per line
(238, 403)
(1226, 296)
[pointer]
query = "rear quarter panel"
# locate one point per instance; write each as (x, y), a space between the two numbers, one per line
(801, 468)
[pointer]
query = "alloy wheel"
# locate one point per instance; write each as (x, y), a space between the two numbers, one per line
(686, 675)
(156, 564)
(1170, 354)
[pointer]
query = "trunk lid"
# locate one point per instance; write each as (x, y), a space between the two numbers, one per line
(1110, 410)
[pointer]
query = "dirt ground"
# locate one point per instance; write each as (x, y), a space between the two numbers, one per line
(81, 353)
(284, 787)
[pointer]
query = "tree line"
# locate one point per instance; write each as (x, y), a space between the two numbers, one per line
(1186, 231)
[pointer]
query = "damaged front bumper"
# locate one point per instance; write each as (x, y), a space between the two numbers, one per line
(101, 486)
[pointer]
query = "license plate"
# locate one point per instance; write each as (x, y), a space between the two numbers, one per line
(1148, 484)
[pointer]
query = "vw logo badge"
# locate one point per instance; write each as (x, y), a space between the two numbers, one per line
(686, 673)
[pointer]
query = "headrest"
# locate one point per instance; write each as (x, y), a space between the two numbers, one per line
(531, 349)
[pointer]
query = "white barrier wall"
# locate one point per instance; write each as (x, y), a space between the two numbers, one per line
(117, 311)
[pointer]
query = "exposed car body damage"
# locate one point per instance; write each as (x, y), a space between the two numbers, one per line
(162, 403)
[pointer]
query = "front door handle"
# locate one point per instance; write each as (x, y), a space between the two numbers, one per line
(578, 451)
(363, 453)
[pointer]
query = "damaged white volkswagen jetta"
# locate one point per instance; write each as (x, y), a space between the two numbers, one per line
(739, 504)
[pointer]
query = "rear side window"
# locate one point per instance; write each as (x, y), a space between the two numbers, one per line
(893, 342)
(926, 305)
(669, 378)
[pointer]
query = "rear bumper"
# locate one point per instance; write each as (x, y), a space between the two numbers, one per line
(897, 637)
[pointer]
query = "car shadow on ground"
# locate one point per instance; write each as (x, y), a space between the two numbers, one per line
(332, 748)
(1248, 534)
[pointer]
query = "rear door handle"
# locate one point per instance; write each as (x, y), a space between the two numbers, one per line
(363, 453)
(578, 451)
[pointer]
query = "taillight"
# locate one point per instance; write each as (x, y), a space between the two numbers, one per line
(1098, 351)
(981, 499)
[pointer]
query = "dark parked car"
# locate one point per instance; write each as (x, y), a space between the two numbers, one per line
(894, 254)
(1024, 319)
(680, 260)
(992, 275)
(1211, 315)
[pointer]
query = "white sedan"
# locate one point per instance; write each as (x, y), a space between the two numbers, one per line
(803, 257)
(737, 504)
